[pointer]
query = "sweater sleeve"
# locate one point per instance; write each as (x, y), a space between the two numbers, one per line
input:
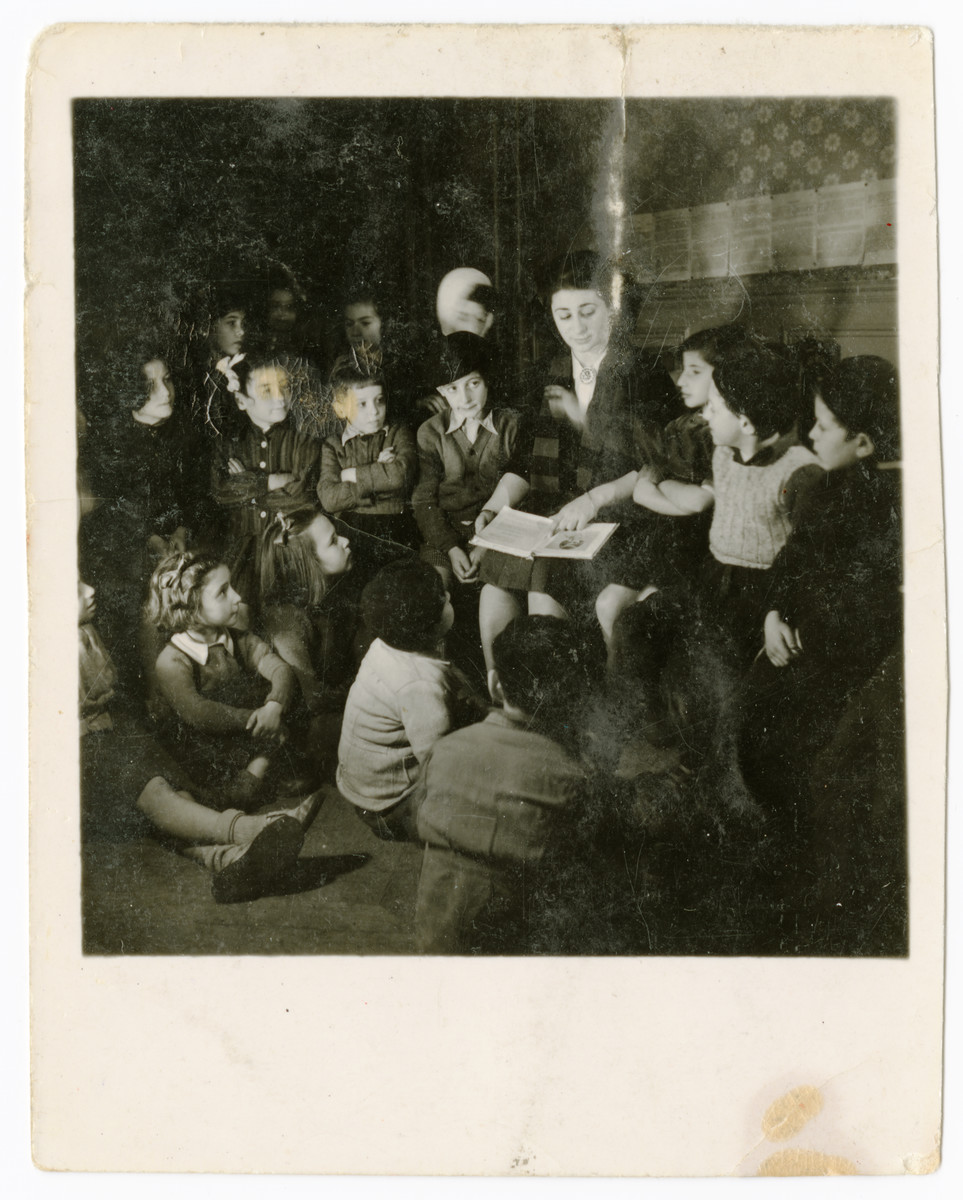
(175, 678)
(425, 714)
(233, 490)
(394, 479)
(300, 457)
(432, 521)
(335, 496)
(798, 487)
(258, 656)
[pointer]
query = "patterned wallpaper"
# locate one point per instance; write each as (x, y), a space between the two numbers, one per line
(684, 153)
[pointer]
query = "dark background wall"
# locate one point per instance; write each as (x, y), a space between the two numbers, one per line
(170, 194)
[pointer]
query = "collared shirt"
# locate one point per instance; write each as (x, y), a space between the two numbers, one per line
(471, 426)
(199, 651)
(585, 391)
(351, 432)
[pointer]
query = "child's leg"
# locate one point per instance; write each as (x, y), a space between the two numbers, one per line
(179, 814)
(497, 608)
(447, 575)
(541, 604)
(611, 600)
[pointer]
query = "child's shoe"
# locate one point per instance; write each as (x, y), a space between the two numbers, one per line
(305, 812)
(247, 872)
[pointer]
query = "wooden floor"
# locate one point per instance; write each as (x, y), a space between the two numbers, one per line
(350, 893)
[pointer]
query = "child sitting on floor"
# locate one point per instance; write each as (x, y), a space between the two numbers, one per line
(268, 467)
(404, 698)
(308, 614)
(211, 682)
(369, 468)
(121, 763)
(465, 453)
(499, 793)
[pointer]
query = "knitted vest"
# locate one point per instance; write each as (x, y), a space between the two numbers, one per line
(750, 523)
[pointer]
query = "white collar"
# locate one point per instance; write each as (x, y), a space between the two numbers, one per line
(199, 651)
(457, 422)
(350, 432)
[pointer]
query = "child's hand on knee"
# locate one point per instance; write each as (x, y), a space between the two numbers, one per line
(463, 566)
(265, 721)
(782, 642)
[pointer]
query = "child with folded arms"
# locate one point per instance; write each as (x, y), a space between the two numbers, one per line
(369, 468)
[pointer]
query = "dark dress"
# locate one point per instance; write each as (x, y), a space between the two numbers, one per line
(634, 398)
(836, 581)
(148, 483)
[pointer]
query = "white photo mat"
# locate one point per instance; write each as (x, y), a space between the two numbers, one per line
(648, 1066)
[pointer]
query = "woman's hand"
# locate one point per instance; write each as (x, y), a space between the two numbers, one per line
(235, 466)
(562, 402)
(485, 517)
(265, 721)
(278, 480)
(782, 642)
(386, 456)
(464, 567)
(576, 514)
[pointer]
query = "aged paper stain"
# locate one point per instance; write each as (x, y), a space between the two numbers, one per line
(797, 1161)
(785, 1117)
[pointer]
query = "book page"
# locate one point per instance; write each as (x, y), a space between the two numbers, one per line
(578, 543)
(514, 532)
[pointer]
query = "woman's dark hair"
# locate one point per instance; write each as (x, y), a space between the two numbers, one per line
(579, 270)
(862, 393)
(761, 382)
(403, 605)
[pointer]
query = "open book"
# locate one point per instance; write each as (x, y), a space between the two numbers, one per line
(528, 536)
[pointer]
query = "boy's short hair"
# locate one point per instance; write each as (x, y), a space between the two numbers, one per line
(356, 369)
(404, 603)
(461, 354)
(862, 393)
(761, 383)
(542, 667)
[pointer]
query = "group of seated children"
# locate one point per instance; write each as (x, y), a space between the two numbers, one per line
(685, 680)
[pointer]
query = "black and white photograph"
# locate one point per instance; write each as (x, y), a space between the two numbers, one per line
(492, 541)
(321, 343)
